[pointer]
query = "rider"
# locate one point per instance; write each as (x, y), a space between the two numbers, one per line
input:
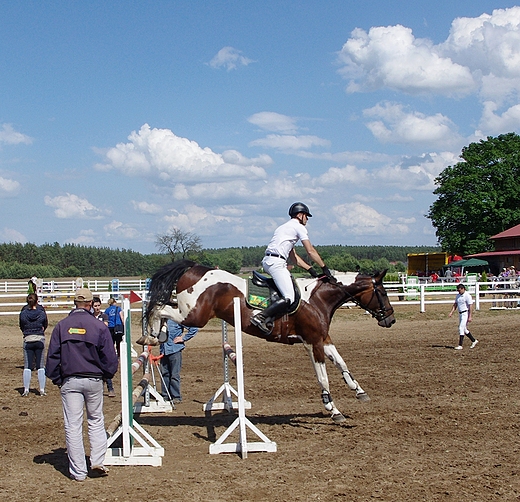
(279, 250)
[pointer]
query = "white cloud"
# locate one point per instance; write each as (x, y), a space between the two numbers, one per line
(12, 235)
(8, 188)
(121, 230)
(360, 219)
(71, 206)
(229, 58)
(392, 57)
(290, 143)
(236, 158)
(493, 123)
(86, 237)
(488, 45)
(396, 125)
(347, 174)
(160, 154)
(409, 173)
(275, 122)
(481, 56)
(11, 137)
(145, 207)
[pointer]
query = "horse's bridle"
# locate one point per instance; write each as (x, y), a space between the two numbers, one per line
(382, 312)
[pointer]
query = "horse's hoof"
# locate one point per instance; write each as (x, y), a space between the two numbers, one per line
(338, 418)
(147, 340)
(363, 396)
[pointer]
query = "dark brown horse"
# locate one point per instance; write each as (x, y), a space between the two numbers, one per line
(203, 293)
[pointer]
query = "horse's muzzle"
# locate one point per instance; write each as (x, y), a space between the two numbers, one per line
(387, 321)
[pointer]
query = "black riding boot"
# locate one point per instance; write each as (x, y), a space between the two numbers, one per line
(264, 320)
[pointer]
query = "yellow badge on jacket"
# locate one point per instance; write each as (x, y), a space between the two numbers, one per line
(77, 331)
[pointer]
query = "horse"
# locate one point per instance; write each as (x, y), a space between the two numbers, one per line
(203, 293)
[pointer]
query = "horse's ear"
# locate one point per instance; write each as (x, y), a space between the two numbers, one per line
(379, 275)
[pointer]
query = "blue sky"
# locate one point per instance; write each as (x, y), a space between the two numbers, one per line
(122, 120)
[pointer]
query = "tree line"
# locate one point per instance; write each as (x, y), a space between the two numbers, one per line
(19, 261)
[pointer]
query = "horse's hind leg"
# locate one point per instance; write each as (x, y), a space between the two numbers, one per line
(332, 353)
(323, 381)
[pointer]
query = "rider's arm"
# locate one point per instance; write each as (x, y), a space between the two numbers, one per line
(313, 254)
(299, 261)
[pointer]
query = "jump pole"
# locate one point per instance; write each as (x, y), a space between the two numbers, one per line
(150, 451)
(226, 389)
(158, 404)
(242, 421)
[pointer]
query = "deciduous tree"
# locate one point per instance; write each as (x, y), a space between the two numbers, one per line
(479, 196)
(178, 243)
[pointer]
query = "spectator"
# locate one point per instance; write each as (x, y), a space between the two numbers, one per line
(33, 323)
(115, 322)
(101, 316)
(171, 361)
(81, 354)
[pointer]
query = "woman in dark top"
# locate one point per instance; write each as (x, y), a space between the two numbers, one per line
(33, 323)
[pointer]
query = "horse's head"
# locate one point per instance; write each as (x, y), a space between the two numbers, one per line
(372, 297)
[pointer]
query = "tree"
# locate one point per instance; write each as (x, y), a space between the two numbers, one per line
(178, 244)
(478, 197)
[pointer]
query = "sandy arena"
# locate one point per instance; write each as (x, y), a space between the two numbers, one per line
(442, 424)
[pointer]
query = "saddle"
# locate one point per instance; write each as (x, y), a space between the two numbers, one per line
(262, 291)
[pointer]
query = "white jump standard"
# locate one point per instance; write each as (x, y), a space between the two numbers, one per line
(242, 446)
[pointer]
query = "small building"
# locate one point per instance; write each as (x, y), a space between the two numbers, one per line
(506, 253)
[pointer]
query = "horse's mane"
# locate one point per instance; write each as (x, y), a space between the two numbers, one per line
(164, 281)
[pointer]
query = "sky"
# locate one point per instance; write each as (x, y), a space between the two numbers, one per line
(122, 120)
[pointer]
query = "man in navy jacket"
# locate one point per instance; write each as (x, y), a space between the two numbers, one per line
(81, 354)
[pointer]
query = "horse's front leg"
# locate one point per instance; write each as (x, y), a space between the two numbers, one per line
(332, 353)
(323, 381)
(157, 330)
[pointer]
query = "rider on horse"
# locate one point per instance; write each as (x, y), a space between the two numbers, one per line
(279, 250)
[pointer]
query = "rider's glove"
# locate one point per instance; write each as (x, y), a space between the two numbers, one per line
(328, 273)
(313, 272)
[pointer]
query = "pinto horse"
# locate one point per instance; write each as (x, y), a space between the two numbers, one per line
(203, 293)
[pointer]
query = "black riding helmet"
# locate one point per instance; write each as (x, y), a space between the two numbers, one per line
(299, 207)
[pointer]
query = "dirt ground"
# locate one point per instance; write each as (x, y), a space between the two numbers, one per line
(441, 425)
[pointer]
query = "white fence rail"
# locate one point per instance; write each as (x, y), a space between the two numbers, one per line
(58, 297)
(61, 302)
(71, 285)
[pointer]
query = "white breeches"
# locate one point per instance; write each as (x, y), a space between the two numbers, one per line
(277, 269)
(463, 321)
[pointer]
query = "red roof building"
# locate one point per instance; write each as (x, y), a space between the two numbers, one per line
(507, 250)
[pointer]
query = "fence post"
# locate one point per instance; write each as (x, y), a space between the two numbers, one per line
(422, 294)
(477, 296)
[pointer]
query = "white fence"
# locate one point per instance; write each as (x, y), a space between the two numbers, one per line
(71, 285)
(58, 297)
(498, 295)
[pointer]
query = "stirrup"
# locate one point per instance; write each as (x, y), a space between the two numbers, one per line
(266, 325)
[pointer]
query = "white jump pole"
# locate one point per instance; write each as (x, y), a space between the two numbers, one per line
(150, 451)
(241, 422)
(226, 389)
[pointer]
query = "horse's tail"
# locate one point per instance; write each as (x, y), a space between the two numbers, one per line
(163, 283)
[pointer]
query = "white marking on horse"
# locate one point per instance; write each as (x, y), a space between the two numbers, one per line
(188, 298)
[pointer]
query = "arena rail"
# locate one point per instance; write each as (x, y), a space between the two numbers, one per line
(499, 295)
(61, 302)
